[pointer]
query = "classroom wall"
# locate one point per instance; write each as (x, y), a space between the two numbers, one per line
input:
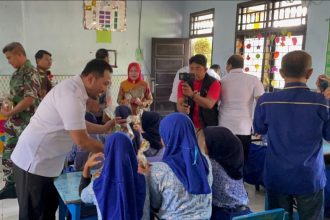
(224, 26)
(57, 26)
(224, 30)
(317, 36)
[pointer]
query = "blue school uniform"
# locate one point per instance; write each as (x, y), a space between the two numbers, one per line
(296, 120)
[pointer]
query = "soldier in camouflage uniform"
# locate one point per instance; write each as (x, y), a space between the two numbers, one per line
(44, 62)
(24, 87)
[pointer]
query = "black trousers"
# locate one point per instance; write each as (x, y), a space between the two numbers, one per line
(246, 141)
(37, 196)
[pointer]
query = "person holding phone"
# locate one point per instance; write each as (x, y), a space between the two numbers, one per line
(322, 84)
(203, 94)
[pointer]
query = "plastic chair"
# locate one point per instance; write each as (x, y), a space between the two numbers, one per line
(295, 214)
(327, 193)
(275, 214)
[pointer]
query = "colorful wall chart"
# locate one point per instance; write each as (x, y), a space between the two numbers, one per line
(105, 15)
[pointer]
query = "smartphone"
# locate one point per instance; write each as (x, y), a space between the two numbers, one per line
(323, 85)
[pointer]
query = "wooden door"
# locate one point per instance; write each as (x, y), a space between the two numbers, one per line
(167, 57)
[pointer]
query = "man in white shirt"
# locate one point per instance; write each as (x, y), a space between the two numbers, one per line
(239, 91)
(58, 123)
(174, 94)
(217, 70)
(214, 74)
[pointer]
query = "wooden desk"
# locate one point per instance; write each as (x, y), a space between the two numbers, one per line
(67, 186)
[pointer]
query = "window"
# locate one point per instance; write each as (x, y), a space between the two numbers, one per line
(265, 32)
(201, 33)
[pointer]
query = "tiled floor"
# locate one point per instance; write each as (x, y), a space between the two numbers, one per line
(8, 207)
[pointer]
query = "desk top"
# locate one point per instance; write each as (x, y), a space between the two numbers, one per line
(67, 186)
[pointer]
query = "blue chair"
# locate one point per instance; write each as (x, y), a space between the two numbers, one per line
(295, 215)
(327, 194)
(275, 214)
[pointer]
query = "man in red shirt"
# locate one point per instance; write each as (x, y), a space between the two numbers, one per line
(203, 94)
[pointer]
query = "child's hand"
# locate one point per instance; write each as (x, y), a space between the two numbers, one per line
(95, 160)
(137, 128)
(5, 113)
(144, 169)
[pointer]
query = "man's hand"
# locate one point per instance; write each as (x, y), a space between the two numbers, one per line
(327, 93)
(109, 125)
(186, 108)
(5, 113)
(187, 90)
(321, 78)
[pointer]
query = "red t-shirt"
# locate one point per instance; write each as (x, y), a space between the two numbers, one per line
(213, 93)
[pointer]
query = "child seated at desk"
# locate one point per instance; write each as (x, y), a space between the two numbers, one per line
(78, 157)
(119, 192)
(150, 132)
(225, 150)
(180, 185)
(124, 111)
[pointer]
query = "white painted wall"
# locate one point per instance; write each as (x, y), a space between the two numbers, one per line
(317, 37)
(57, 26)
(224, 30)
(8, 33)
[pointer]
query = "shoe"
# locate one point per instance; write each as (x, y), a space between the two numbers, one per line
(8, 192)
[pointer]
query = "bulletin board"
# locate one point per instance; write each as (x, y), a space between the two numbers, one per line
(105, 15)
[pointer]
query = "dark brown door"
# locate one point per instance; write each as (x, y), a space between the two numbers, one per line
(167, 57)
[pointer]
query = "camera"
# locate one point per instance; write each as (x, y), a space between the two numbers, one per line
(187, 77)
